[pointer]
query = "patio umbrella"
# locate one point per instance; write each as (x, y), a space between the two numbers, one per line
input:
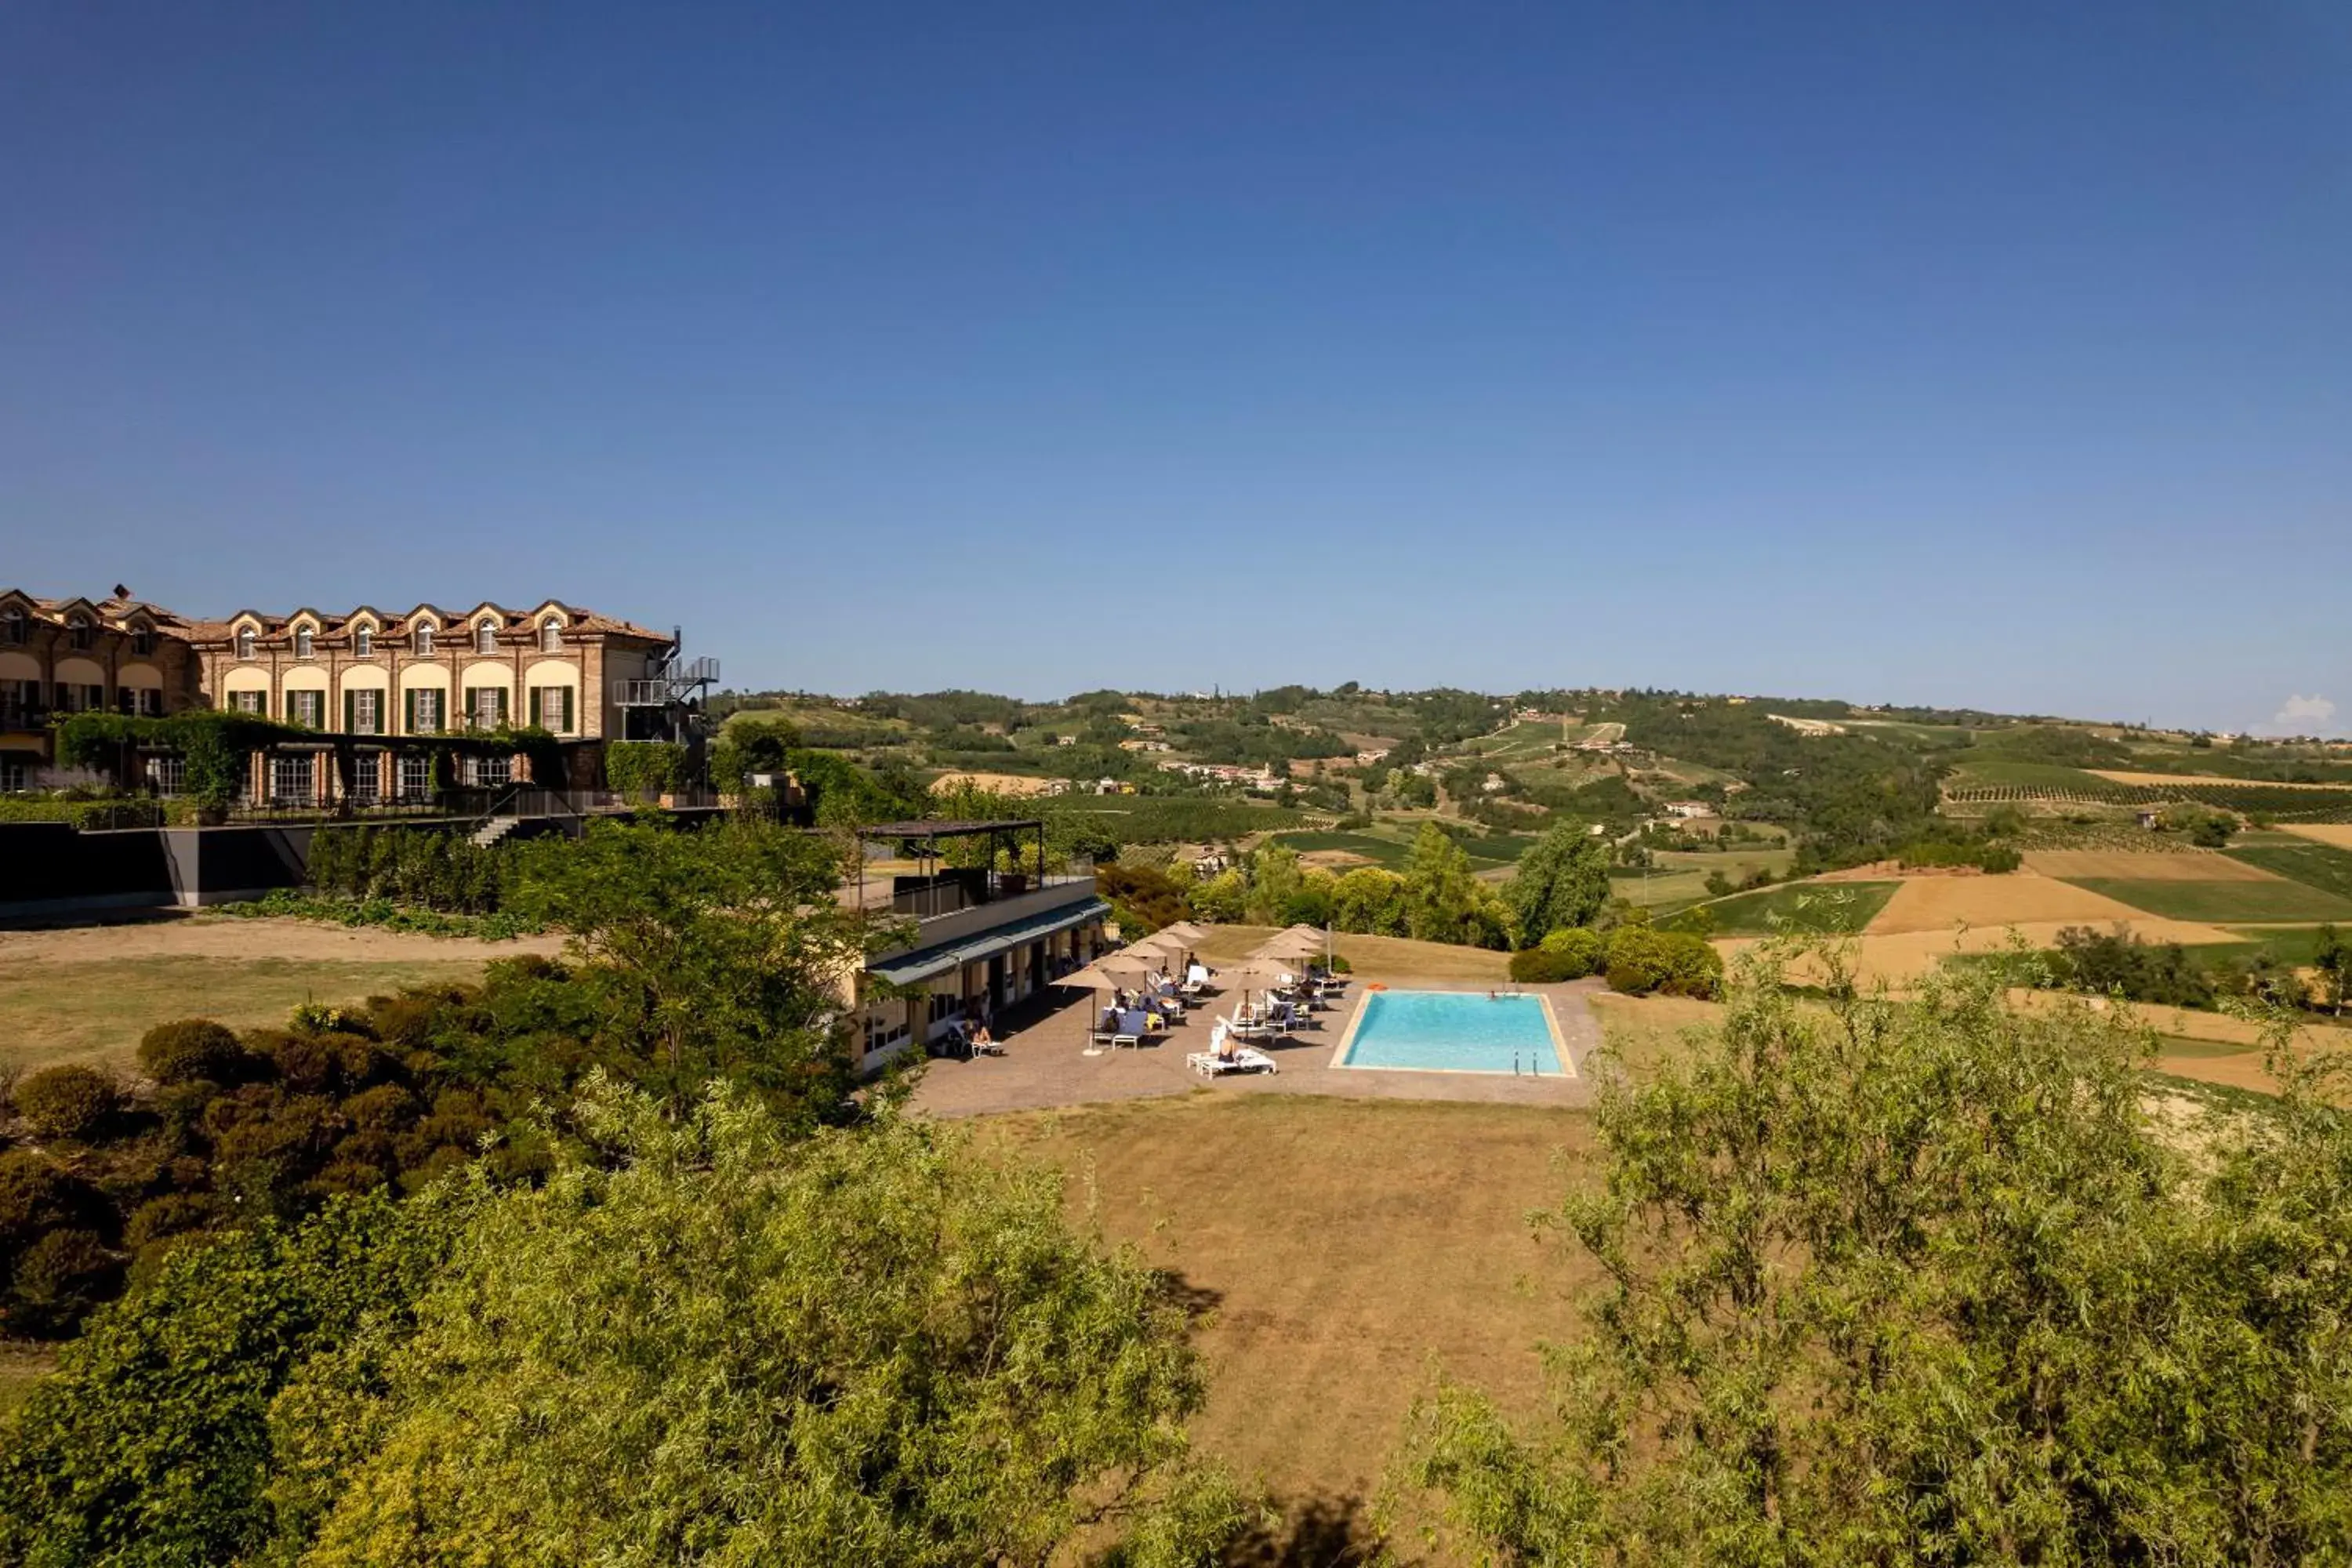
(1257, 975)
(1185, 932)
(1106, 973)
(1288, 945)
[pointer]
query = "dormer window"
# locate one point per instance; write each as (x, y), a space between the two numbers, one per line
(14, 624)
(78, 628)
(245, 642)
(551, 635)
(423, 638)
(485, 637)
(142, 640)
(305, 642)
(364, 643)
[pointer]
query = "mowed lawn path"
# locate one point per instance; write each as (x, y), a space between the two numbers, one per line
(1343, 1249)
(88, 992)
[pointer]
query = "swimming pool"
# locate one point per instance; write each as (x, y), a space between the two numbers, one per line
(1455, 1031)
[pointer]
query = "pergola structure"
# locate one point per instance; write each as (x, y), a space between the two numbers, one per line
(939, 888)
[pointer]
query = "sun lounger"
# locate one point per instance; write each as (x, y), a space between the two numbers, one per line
(1209, 1064)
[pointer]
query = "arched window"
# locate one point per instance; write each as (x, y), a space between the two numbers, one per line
(364, 643)
(551, 635)
(12, 623)
(79, 629)
(305, 642)
(245, 642)
(142, 640)
(485, 637)
(423, 638)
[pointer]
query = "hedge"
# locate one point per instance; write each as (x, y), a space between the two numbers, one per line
(429, 867)
(86, 814)
(644, 766)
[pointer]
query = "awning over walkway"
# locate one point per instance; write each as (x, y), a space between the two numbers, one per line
(925, 963)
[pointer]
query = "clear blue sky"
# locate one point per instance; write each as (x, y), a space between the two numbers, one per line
(1996, 354)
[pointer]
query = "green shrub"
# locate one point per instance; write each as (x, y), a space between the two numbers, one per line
(89, 816)
(70, 1102)
(37, 1195)
(1642, 960)
(189, 1049)
(170, 1215)
(1582, 948)
(1534, 966)
(58, 1280)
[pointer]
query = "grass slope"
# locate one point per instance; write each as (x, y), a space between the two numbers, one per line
(97, 1010)
(2314, 865)
(1843, 908)
(2215, 904)
(1378, 1240)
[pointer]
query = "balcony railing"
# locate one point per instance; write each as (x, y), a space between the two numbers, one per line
(18, 715)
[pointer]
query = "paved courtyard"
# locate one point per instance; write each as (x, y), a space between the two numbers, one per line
(1045, 1061)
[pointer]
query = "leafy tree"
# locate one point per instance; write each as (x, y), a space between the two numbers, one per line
(1142, 897)
(1275, 880)
(715, 953)
(720, 1343)
(1562, 880)
(1919, 1282)
(150, 1444)
(1371, 901)
(1445, 900)
(2333, 962)
(1224, 898)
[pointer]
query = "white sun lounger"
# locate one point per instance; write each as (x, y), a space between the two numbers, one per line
(1208, 1064)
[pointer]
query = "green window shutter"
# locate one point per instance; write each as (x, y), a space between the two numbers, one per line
(408, 712)
(351, 711)
(537, 693)
(503, 694)
(470, 700)
(568, 718)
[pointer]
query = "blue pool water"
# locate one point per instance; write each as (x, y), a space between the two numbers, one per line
(1455, 1031)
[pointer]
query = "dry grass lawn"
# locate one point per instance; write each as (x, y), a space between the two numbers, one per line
(1345, 1250)
(1014, 785)
(2021, 898)
(2336, 835)
(1377, 955)
(88, 992)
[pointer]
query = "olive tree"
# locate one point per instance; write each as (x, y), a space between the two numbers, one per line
(1925, 1279)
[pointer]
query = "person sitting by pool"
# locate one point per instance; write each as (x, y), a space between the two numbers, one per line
(982, 1040)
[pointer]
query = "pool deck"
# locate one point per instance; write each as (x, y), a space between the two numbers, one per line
(1044, 1064)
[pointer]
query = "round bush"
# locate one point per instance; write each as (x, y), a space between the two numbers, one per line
(1581, 950)
(1642, 960)
(58, 1280)
(35, 1195)
(188, 1049)
(168, 1215)
(71, 1101)
(1535, 966)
